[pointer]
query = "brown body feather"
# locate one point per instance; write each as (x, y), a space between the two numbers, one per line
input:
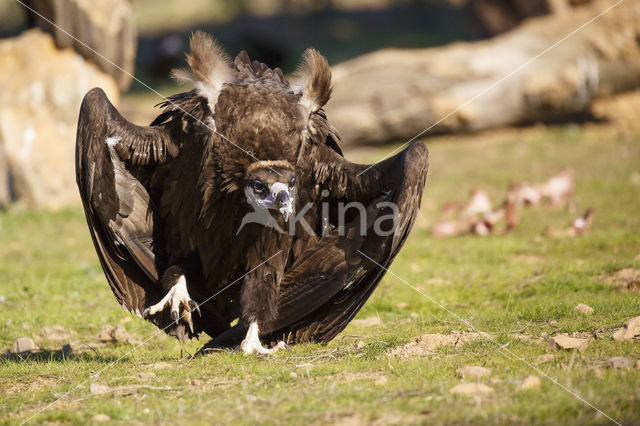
(167, 200)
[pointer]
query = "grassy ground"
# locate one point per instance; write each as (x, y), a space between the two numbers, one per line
(521, 283)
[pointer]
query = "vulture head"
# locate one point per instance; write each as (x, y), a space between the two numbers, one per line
(271, 185)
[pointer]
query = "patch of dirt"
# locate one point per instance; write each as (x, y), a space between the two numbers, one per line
(627, 278)
(11, 386)
(428, 343)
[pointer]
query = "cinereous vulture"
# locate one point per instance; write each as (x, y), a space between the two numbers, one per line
(236, 206)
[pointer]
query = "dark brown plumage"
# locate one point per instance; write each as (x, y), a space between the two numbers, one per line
(167, 205)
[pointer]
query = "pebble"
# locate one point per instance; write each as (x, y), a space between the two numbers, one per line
(472, 372)
(562, 341)
(529, 383)
(101, 418)
(629, 331)
(583, 309)
(637, 365)
(23, 344)
(619, 363)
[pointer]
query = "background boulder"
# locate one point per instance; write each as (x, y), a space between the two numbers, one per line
(41, 88)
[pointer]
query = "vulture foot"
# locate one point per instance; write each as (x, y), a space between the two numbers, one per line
(176, 297)
(251, 343)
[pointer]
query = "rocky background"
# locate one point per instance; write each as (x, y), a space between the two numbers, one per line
(400, 67)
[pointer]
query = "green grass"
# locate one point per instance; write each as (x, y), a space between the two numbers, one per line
(520, 283)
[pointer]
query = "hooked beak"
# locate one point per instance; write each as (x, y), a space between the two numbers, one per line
(282, 199)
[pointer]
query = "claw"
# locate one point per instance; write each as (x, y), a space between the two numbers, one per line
(187, 317)
(195, 307)
(176, 297)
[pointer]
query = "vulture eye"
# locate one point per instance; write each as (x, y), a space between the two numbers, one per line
(292, 182)
(258, 186)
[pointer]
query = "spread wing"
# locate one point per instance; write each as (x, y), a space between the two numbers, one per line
(114, 162)
(330, 280)
(331, 277)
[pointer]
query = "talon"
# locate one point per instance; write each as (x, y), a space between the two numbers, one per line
(176, 297)
(194, 307)
(187, 318)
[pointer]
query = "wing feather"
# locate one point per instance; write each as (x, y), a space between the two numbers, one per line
(119, 211)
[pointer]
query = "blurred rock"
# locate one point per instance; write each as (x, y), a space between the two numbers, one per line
(619, 363)
(583, 309)
(529, 383)
(22, 345)
(563, 341)
(41, 91)
(472, 372)
(104, 28)
(402, 94)
(101, 418)
(629, 331)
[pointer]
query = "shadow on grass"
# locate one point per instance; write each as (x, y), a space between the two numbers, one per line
(43, 355)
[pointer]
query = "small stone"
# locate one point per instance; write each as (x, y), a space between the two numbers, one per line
(413, 315)
(101, 418)
(293, 375)
(562, 341)
(402, 305)
(637, 365)
(381, 381)
(471, 389)
(472, 372)
(529, 383)
(629, 331)
(619, 363)
(583, 309)
(360, 345)
(544, 358)
(195, 382)
(98, 389)
(22, 345)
